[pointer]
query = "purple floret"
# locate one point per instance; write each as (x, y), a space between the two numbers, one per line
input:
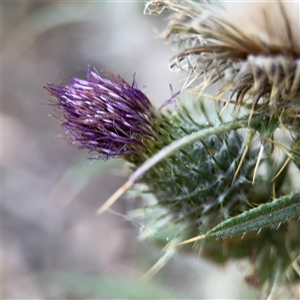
(110, 117)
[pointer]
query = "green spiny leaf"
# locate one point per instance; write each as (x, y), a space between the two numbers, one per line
(275, 212)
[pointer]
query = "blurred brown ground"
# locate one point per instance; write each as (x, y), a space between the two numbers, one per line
(49, 190)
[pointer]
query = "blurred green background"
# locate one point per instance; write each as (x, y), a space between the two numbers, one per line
(53, 244)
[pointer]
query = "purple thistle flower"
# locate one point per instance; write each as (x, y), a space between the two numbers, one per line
(109, 117)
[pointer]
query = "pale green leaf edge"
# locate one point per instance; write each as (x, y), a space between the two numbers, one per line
(273, 213)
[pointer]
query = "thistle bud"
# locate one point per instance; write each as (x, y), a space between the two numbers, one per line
(108, 117)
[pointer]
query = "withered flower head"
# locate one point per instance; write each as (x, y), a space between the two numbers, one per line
(108, 117)
(251, 49)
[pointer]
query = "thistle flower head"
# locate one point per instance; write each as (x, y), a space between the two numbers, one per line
(108, 117)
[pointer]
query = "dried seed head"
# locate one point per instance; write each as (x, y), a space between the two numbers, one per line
(108, 117)
(252, 49)
(273, 25)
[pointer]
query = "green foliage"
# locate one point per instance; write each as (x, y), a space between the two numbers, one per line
(275, 212)
(233, 190)
(196, 182)
(206, 188)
